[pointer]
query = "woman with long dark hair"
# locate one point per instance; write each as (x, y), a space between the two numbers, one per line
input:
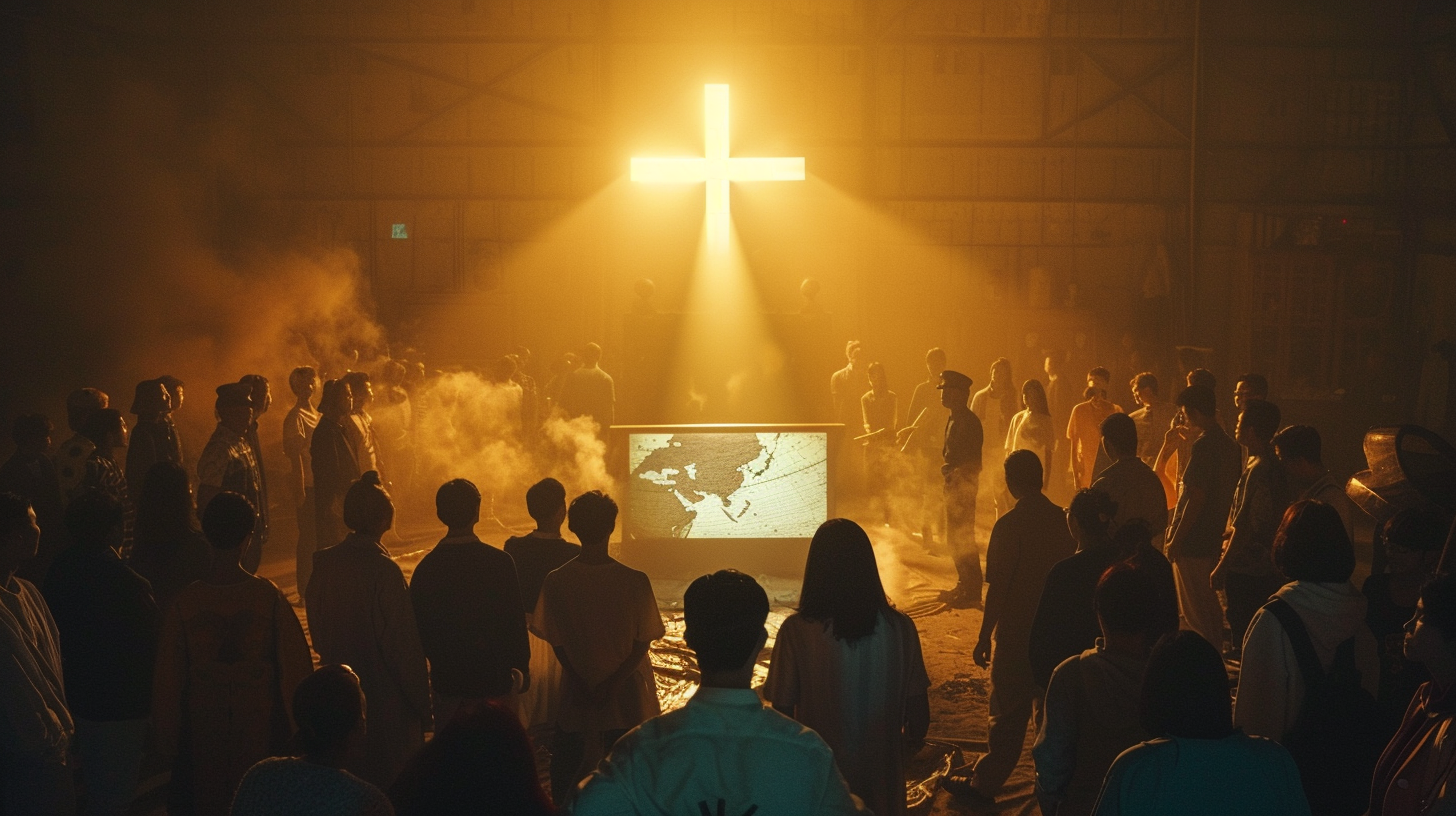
(168, 548)
(849, 666)
(480, 763)
(1031, 429)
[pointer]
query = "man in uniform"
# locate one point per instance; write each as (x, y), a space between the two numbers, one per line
(962, 473)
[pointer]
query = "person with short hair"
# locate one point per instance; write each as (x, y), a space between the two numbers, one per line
(1250, 387)
(1413, 540)
(36, 728)
(1205, 495)
(1312, 551)
(71, 455)
(334, 465)
(467, 604)
(1410, 777)
(261, 396)
(1129, 482)
(230, 462)
(725, 751)
(154, 436)
(1152, 417)
(1198, 763)
(1026, 543)
(108, 624)
(329, 712)
(298, 427)
(922, 437)
(1084, 427)
(169, 549)
(360, 614)
(961, 473)
(848, 384)
(880, 415)
(589, 391)
(1246, 571)
(479, 762)
(537, 554)
(31, 474)
(107, 431)
(359, 426)
(996, 406)
(849, 666)
(1091, 710)
(230, 655)
(1298, 449)
(600, 616)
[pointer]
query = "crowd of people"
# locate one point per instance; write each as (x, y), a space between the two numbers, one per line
(135, 628)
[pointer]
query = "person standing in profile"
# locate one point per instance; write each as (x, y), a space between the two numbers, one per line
(1153, 416)
(298, 427)
(229, 461)
(360, 426)
(995, 405)
(590, 391)
(922, 437)
(961, 471)
(154, 436)
(261, 397)
(107, 431)
(879, 409)
(332, 460)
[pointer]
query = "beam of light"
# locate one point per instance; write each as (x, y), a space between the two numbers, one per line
(716, 168)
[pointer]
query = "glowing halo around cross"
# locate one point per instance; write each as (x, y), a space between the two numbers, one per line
(715, 167)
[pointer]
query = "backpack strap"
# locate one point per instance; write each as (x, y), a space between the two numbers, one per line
(1304, 653)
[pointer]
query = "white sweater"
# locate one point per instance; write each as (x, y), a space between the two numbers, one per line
(1270, 688)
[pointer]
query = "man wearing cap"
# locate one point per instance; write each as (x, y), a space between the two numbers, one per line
(228, 461)
(725, 751)
(962, 472)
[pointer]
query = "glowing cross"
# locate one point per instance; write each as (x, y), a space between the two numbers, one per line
(716, 168)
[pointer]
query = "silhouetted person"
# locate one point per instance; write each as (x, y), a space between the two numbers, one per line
(1178, 438)
(922, 437)
(589, 391)
(530, 396)
(153, 436)
(359, 429)
(481, 763)
(849, 666)
(107, 431)
(1197, 763)
(230, 655)
(108, 623)
(261, 397)
(1152, 418)
(359, 614)
(468, 608)
(30, 474)
(1091, 710)
(1299, 450)
(36, 729)
(1250, 386)
(724, 751)
(1413, 539)
(995, 405)
(961, 472)
(230, 462)
(538, 554)
(1084, 428)
(1132, 485)
(880, 415)
(848, 384)
(1410, 778)
(169, 549)
(561, 371)
(1032, 429)
(70, 455)
(334, 466)
(1066, 620)
(1027, 541)
(1246, 572)
(1205, 494)
(328, 709)
(298, 427)
(600, 616)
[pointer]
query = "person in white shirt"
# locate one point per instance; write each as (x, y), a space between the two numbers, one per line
(723, 752)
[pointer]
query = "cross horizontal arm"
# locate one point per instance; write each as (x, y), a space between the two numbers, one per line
(775, 169)
(669, 171)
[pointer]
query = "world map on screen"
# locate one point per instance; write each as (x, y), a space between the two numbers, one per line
(727, 485)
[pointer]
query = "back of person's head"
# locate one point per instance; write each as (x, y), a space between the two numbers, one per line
(479, 762)
(300, 378)
(1299, 443)
(14, 515)
(1260, 417)
(1203, 377)
(851, 348)
(875, 370)
(724, 615)
(1312, 544)
(81, 404)
(842, 585)
(1119, 432)
(591, 354)
(1186, 690)
(1127, 601)
(150, 398)
(367, 506)
(102, 424)
(1093, 511)
(545, 499)
(1198, 398)
(1023, 472)
(1256, 384)
(328, 706)
(228, 520)
(1146, 381)
(1422, 529)
(1033, 393)
(457, 503)
(1099, 373)
(164, 507)
(1438, 605)
(336, 398)
(592, 516)
(504, 368)
(92, 518)
(30, 429)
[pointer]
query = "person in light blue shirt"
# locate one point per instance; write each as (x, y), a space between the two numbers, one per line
(725, 751)
(1200, 764)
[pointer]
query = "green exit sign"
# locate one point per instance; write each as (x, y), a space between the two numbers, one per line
(399, 231)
